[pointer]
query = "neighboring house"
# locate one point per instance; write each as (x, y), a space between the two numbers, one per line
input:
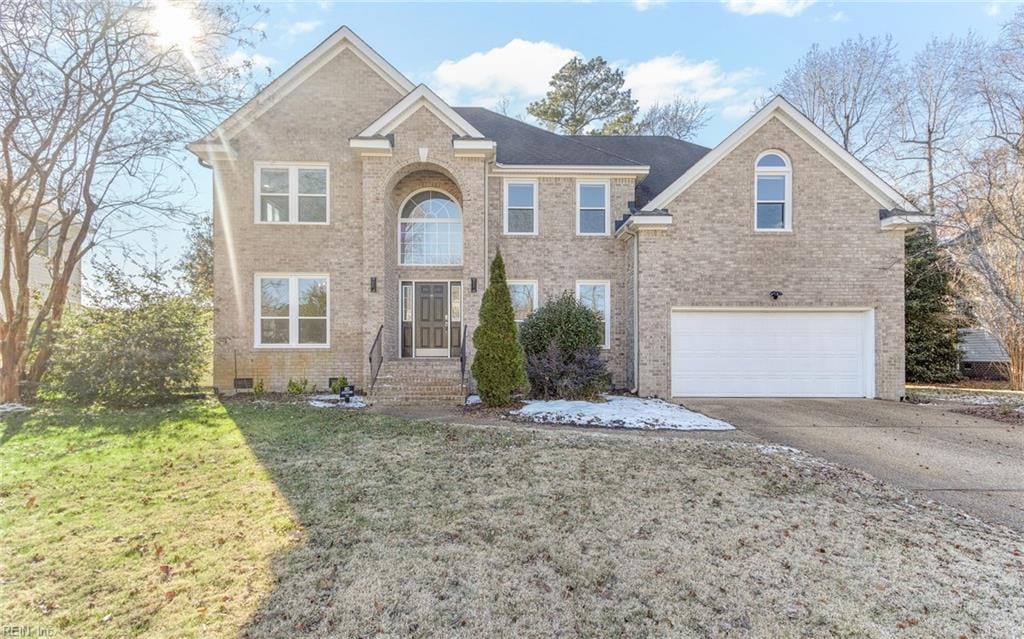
(982, 356)
(39, 277)
(356, 215)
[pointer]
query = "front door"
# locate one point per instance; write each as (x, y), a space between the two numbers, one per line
(431, 319)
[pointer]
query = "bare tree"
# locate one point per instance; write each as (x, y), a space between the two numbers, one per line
(988, 215)
(1000, 83)
(851, 91)
(96, 102)
(680, 118)
(939, 105)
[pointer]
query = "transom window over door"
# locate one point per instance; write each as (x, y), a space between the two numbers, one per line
(430, 230)
(773, 210)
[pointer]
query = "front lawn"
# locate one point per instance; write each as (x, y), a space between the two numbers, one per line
(268, 521)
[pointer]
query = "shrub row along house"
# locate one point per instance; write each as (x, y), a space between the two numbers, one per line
(355, 216)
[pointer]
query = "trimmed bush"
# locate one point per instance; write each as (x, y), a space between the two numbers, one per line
(562, 342)
(498, 365)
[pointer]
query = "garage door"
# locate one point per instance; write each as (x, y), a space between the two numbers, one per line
(772, 354)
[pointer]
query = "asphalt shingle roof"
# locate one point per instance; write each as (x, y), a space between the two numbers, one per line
(522, 143)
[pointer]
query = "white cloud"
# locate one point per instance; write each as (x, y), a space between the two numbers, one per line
(788, 8)
(993, 9)
(259, 61)
(839, 16)
(519, 70)
(644, 5)
(303, 26)
(666, 77)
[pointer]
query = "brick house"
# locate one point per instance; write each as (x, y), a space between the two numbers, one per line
(355, 216)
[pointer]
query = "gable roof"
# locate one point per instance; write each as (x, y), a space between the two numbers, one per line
(420, 97)
(789, 115)
(668, 158)
(344, 39)
(520, 143)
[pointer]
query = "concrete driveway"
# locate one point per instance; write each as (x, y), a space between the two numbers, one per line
(971, 463)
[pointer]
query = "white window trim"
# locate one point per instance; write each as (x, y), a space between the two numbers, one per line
(536, 214)
(607, 206)
(787, 172)
(293, 310)
(462, 219)
(608, 307)
(293, 195)
(536, 292)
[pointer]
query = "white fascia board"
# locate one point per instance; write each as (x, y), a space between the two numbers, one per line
(419, 97)
(905, 222)
(474, 145)
(644, 222)
(209, 151)
(789, 115)
(376, 144)
(569, 169)
(344, 39)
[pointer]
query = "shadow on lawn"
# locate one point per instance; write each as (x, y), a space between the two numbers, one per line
(320, 461)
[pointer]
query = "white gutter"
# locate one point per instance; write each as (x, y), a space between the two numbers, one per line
(569, 169)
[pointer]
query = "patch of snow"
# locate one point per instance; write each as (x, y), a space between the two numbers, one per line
(473, 400)
(779, 449)
(13, 408)
(333, 401)
(620, 412)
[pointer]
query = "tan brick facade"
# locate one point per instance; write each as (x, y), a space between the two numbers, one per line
(835, 256)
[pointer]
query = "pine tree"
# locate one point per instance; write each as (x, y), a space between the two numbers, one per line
(932, 354)
(498, 366)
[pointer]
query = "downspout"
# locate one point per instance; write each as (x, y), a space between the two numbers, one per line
(487, 217)
(636, 312)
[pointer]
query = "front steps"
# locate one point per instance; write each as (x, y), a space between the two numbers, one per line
(419, 381)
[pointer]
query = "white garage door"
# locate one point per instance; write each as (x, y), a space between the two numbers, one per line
(772, 354)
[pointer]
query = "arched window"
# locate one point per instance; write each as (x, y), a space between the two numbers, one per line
(773, 209)
(430, 230)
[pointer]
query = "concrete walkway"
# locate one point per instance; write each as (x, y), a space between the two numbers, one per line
(971, 463)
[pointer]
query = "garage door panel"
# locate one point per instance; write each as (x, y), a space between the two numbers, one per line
(769, 353)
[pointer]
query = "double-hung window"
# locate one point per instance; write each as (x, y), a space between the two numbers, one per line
(524, 298)
(592, 208)
(521, 207)
(291, 310)
(291, 194)
(773, 210)
(596, 295)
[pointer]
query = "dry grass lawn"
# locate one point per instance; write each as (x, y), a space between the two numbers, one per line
(270, 521)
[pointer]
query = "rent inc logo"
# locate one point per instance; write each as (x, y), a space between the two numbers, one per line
(26, 631)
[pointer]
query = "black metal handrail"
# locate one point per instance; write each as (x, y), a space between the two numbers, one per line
(462, 353)
(376, 357)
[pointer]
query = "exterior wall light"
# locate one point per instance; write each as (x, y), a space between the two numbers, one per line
(775, 294)
(373, 284)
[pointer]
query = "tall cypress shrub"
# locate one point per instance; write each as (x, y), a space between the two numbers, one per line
(932, 354)
(498, 365)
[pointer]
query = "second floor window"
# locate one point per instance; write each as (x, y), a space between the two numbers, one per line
(291, 194)
(772, 210)
(592, 208)
(521, 208)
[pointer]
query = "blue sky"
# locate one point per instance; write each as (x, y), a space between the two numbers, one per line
(725, 53)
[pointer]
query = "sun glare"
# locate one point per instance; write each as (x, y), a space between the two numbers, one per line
(175, 25)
